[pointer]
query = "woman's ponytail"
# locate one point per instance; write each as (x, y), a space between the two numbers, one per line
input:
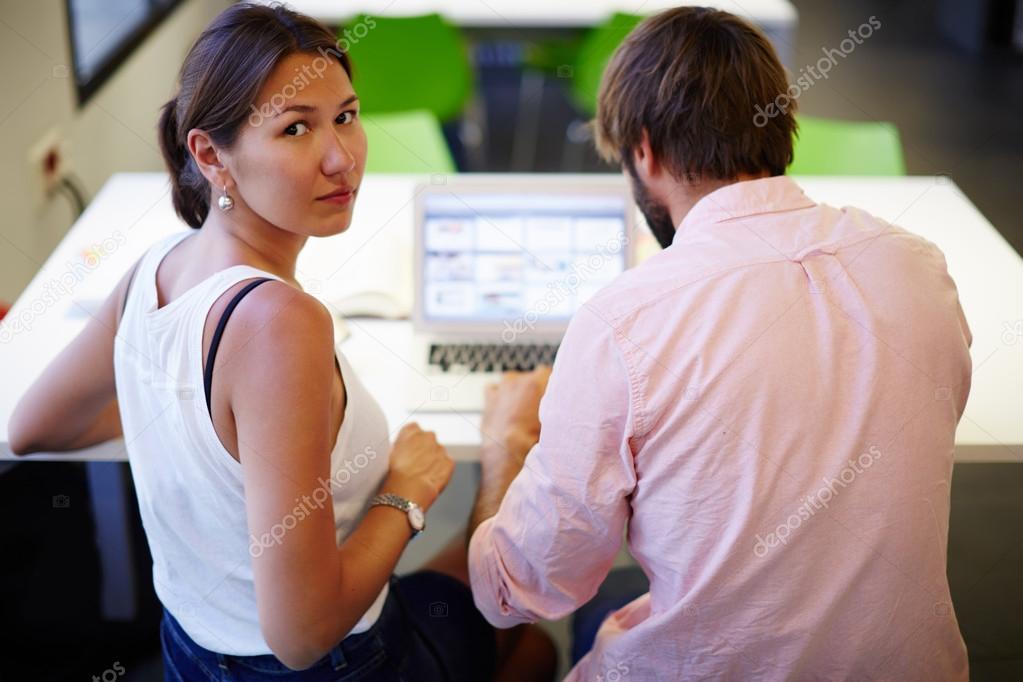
(191, 192)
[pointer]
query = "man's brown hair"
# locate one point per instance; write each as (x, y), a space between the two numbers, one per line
(694, 78)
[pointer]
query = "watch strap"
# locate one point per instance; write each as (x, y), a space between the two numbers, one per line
(402, 504)
(392, 500)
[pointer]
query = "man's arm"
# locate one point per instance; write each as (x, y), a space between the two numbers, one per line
(550, 518)
(510, 428)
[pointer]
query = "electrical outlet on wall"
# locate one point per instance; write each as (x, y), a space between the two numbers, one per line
(47, 164)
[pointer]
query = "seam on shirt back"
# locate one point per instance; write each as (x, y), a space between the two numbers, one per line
(636, 403)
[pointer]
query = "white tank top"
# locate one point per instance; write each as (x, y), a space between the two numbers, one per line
(190, 492)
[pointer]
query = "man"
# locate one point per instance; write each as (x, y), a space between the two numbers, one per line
(767, 406)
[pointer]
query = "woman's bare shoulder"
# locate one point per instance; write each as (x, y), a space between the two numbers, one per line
(279, 317)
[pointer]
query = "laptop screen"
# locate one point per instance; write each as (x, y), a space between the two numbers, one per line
(534, 257)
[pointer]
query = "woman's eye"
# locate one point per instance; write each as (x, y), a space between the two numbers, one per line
(294, 129)
(345, 117)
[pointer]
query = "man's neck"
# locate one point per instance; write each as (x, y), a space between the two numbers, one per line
(688, 194)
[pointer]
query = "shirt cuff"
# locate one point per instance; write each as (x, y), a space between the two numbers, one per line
(489, 580)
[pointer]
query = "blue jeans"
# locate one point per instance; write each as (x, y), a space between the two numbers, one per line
(429, 629)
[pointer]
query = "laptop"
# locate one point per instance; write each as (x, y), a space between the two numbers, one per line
(499, 271)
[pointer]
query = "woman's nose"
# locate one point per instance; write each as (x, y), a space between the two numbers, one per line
(337, 158)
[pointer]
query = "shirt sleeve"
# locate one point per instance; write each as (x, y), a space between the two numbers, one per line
(561, 523)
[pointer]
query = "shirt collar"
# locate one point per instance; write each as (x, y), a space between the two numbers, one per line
(742, 199)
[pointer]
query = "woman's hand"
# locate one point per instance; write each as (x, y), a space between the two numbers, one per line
(420, 466)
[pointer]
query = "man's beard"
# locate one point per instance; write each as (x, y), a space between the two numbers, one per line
(657, 216)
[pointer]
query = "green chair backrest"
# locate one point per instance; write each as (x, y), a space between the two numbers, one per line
(830, 147)
(406, 63)
(406, 142)
(593, 55)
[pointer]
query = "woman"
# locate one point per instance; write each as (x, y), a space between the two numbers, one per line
(256, 452)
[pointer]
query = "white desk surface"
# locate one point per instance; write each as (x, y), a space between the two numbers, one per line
(135, 208)
(536, 13)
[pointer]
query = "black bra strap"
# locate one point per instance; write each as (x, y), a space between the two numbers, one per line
(207, 374)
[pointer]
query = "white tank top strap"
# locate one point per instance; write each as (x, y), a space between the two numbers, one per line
(228, 277)
(140, 295)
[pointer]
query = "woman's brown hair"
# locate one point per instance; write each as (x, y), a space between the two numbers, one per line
(693, 77)
(218, 84)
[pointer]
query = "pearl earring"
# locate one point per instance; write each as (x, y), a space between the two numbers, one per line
(225, 202)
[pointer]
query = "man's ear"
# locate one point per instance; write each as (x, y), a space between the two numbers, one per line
(643, 159)
(208, 158)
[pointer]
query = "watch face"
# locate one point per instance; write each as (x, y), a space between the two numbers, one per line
(416, 518)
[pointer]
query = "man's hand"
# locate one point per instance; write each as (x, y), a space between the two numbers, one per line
(511, 422)
(510, 427)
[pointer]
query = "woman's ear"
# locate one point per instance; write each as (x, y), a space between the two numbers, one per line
(208, 158)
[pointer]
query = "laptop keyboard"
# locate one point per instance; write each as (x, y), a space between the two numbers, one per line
(492, 357)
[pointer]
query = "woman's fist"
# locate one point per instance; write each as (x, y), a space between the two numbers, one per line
(420, 466)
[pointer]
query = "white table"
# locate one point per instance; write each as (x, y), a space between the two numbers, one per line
(376, 251)
(534, 13)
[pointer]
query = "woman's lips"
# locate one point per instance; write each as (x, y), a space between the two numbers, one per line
(339, 197)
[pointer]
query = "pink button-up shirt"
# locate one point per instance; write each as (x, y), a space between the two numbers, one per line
(766, 412)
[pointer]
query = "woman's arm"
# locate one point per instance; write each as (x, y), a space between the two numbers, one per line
(73, 403)
(309, 592)
(106, 427)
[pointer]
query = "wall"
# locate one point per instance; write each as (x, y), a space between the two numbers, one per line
(114, 131)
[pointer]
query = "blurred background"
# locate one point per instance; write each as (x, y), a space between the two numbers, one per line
(936, 89)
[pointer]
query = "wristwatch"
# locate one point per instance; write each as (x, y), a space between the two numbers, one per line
(416, 517)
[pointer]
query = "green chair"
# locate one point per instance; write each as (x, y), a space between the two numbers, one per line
(408, 63)
(831, 147)
(593, 55)
(406, 142)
